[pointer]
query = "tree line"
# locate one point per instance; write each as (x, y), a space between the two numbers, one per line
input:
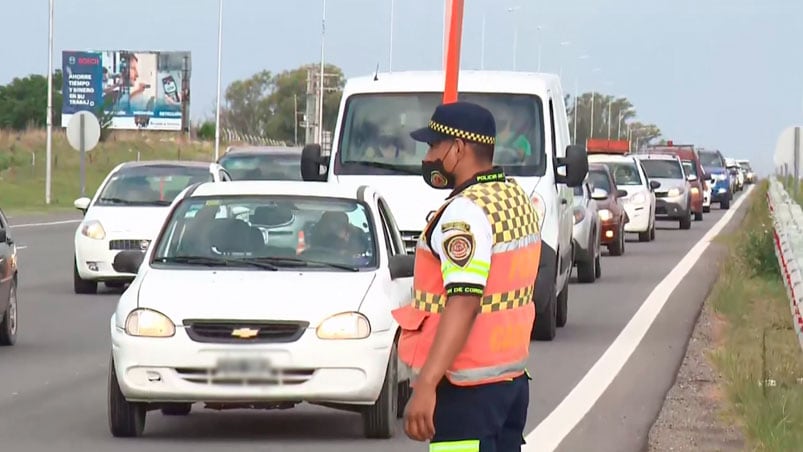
(273, 105)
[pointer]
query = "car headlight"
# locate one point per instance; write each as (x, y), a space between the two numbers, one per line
(605, 215)
(540, 208)
(579, 214)
(149, 323)
(93, 229)
(722, 177)
(638, 198)
(346, 325)
(673, 192)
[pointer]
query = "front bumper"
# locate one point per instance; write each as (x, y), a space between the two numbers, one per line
(639, 215)
(177, 369)
(672, 207)
(94, 258)
(720, 191)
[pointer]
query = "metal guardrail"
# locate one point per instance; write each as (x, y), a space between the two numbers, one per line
(233, 135)
(787, 218)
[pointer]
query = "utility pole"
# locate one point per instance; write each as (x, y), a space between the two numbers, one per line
(219, 64)
(49, 151)
(320, 81)
(295, 119)
(610, 104)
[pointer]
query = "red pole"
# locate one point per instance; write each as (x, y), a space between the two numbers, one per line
(453, 39)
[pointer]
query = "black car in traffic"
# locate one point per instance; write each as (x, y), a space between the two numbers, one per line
(8, 285)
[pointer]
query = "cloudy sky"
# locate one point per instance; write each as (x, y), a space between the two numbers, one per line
(719, 73)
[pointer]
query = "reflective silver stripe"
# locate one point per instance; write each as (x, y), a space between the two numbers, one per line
(484, 373)
(520, 242)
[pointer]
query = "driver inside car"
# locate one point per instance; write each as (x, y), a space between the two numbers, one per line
(511, 125)
(334, 237)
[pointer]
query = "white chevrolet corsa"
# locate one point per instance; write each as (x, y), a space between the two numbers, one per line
(126, 213)
(227, 311)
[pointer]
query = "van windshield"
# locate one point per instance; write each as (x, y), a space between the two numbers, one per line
(375, 135)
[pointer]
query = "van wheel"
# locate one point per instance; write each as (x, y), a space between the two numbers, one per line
(82, 286)
(546, 324)
(379, 420)
(126, 419)
(562, 306)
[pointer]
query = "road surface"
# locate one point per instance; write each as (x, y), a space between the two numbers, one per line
(53, 382)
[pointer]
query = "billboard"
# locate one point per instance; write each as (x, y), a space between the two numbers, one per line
(135, 90)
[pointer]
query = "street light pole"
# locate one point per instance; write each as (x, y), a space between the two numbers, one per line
(321, 75)
(219, 66)
(482, 48)
(513, 9)
(49, 151)
(540, 42)
(390, 50)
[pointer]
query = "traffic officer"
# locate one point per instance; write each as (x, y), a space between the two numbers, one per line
(466, 334)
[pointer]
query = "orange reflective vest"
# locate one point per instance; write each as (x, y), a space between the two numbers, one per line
(498, 344)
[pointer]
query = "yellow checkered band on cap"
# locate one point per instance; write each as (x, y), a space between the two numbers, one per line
(470, 136)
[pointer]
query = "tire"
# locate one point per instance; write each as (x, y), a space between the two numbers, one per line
(698, 216)
(652, 232)
(8, 327)
(546, 326)
(618, 248)
(645, 236)
(379, 420)
(725, 204)
(405, 391)
(562, 316)
(706, 209)
(586, 271)
(598, 266)
(177, 409)
(126, 419)
(114, 284)
(685, 222)
(82, 286)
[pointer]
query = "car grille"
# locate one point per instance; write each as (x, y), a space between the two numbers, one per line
(410, 239)
(278, 377)
(273, 331)
(128, 244)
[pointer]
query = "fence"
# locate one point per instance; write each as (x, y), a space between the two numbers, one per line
(230, 135)
(787, 218)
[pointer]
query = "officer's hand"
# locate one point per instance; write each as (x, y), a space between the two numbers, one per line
(418, 419)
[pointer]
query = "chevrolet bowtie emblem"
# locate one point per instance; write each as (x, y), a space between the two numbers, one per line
(245, 333)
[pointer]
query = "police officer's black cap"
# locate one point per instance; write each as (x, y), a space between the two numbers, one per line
(464, 120)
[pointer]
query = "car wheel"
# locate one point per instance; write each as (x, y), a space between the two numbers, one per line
(706, 209)
(177, 409)
(8, 327)
(598, 266)
(685, 222)
(652, 231)
(645, 236)
(725, 204)
(562, 316)
(618, 248)
(82, 286)
(379, 420)
(698, 216)
(405, 391)
(114, 284)
(126, 419)
(585, 269)
(546, 326)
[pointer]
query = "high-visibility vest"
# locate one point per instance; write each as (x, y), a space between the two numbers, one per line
(498, 344)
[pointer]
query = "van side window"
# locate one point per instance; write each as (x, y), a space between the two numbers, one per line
(552, 135)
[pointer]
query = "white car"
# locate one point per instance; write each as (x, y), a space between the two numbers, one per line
(126, 213)
(222, 313)
(629, 175)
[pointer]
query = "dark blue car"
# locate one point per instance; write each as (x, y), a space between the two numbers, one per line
(718, 177)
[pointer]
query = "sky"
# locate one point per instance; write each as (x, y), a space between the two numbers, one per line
(717, 73)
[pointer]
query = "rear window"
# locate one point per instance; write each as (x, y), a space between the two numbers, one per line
(268, 166)
(708, 158)
(662, 169)
(690, 167)
(599, 179)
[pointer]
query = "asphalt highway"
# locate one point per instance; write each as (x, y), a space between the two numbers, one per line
(53, 382)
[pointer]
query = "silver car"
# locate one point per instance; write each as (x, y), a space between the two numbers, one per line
(586, 235)
(673, 196)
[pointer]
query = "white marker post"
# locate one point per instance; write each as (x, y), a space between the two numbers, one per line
(83, 134)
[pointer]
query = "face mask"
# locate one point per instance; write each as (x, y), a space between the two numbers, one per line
(435, 174)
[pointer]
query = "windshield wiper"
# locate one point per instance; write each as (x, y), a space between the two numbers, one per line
(305, 263)
(216, 261)
(115, 200)
(157, 202)
(387, 166)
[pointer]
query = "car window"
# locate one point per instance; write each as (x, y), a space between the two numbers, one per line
(690, 167)
(625, 173)
(599, 179)
(662, 169)
(375, 133)
(266, 166)
(711, 159)
(305, 231)
(150, 185)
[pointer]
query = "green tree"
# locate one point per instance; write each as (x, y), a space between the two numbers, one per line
(607, 111)
(23, 102)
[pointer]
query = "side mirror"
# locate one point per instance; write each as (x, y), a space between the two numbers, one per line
(691, 178)
(599, 194)
(621, 194)
(654, 184)
(128, 261)
(311, 163)
(576, 163)
(82, 204)
(402, 266)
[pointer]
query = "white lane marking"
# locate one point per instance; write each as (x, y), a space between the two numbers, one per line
(21, 247)
(49, 223)
(548, 435)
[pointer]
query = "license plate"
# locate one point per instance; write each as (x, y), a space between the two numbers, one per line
(242, 367)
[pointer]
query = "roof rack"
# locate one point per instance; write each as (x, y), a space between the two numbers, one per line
(605, 146)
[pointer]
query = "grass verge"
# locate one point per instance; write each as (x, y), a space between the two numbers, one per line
(23, 157)
(760, 343)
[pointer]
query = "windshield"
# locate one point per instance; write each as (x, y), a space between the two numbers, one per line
(690, 167)
(662, 169)
(624, 173)
(284, 231)
(599, 179)
(150, 185)
(375, 135)
(709, 159)
(267, 166)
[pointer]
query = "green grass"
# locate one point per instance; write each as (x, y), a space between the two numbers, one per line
(759, 340)
(23, 157)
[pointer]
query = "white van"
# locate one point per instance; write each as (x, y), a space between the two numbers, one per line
(372, 146)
